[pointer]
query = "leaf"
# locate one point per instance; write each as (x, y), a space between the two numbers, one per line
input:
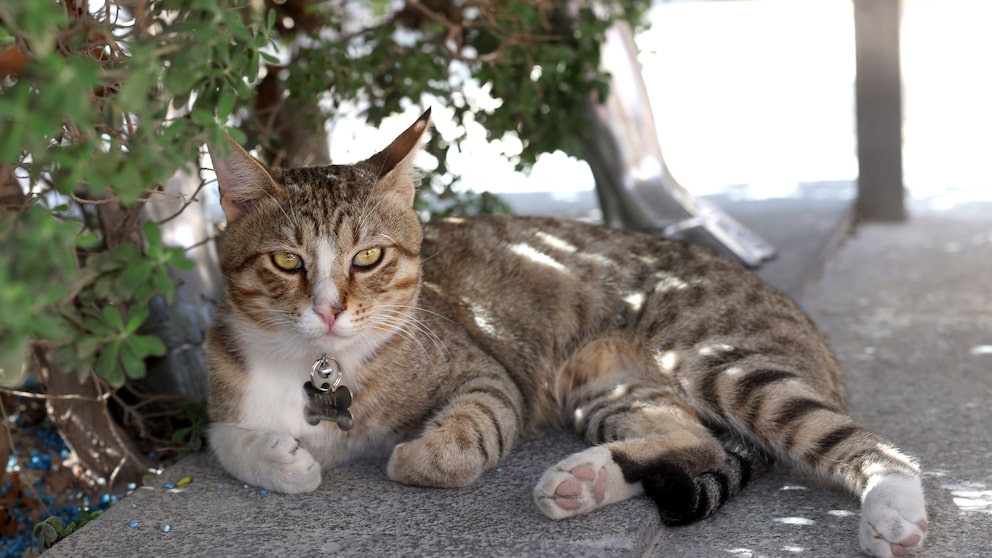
(112, 316)
(153, 236)
(164, 284)
(136, 273)
(202, 117)
(106, 365)
(135, 317)
(96, 327)
(88, 240)
(134, 366)
(147, 345)
(178, 259)
(225, 104)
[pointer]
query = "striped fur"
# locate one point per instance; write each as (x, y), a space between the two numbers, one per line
(688, 375)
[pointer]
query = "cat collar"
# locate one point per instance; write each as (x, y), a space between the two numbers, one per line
(327, 399)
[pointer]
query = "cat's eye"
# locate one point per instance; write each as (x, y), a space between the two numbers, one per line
(287, 261)
(367, 257)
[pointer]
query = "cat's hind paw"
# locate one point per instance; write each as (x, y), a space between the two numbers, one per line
(893, 517)
(581, 483)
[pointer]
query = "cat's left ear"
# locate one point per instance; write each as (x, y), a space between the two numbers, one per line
(393, 164)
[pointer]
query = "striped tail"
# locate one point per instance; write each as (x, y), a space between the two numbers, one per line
(682, 499)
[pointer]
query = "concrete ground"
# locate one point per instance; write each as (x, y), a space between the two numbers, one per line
(908, 309)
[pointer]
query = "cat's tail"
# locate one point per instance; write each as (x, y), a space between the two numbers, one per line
(682, 499)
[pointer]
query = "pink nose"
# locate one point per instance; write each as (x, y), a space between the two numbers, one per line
(328, 313)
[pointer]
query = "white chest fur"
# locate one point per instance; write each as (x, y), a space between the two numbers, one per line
(274, 401)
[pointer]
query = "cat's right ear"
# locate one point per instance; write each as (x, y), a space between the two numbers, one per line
(241, 179)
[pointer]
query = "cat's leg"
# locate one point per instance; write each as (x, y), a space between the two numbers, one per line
(780, 406)
(651, 442)
(478, 426)
(264, 459)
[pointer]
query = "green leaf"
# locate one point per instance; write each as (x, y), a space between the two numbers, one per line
(152, 233)
(164, 284)
(202, 117)
(147, 345)
(225, 104)
(135, 317)
(88, 240)
(178, 259)
(134, 365)
(106, 365)
(112, 316)
(97, 327)
(136, 273)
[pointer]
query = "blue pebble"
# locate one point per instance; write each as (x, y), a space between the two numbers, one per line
(131, 486)
(169, 486)
(166, 528)
(134, 524)
(263, 491)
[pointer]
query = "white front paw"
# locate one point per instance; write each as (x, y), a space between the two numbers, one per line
(893, 516)
(293, 468)
(265, 459)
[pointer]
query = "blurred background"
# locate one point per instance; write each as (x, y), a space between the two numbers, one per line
(755, 99)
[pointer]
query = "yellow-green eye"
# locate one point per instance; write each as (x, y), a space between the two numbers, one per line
(287, 261)
(367, 257)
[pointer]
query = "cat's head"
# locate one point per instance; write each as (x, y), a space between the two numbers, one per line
(323, 259)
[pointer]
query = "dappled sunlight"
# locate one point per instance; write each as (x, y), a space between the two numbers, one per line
(716, 348)
(667, 360)
(536, 256)
(597, 259)
(562, 245)
(635, 301)
(555, 242)
(668, 282)
(481, 318)
(619, 391)
(802, 521)
(971, 497)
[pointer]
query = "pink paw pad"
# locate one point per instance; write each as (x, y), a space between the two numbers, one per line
(905, 546)
(568, 494)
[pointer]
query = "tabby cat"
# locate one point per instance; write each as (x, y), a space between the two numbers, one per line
(456, 338)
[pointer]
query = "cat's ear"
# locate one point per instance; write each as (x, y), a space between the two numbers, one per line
(393, 164)
(241, 179)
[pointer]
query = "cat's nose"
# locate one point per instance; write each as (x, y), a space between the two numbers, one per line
(328, 312)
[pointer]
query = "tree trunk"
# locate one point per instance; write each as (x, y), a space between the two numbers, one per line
(80, 412)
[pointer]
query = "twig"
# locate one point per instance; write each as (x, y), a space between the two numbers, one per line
(186, 203)
(47, 397)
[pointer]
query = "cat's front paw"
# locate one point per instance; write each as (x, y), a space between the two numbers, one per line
(296, 470)
(265, 459)
(893, 517)
(420, 463)
(581, 483)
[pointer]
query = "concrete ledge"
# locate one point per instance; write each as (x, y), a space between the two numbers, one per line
(908, 309)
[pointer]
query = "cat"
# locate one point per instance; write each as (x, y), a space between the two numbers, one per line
(457, 337)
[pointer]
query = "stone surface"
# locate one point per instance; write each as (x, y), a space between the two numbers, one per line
(908, 309)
